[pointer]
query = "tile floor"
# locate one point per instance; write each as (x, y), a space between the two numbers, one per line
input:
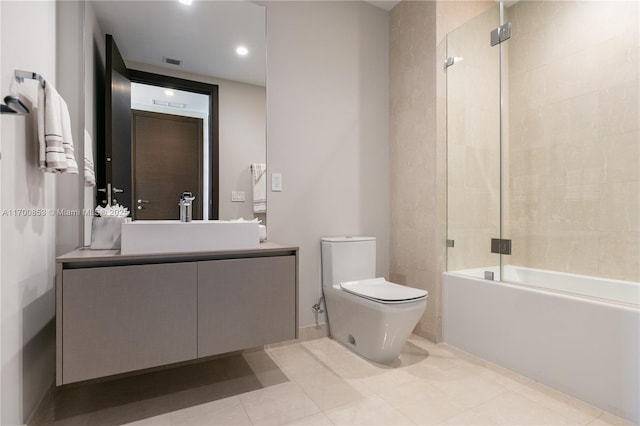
(319, 382)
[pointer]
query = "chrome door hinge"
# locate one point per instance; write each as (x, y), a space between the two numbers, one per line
(500, 34)
(451, 60)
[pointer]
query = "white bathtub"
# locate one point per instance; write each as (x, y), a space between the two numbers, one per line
(587, 345)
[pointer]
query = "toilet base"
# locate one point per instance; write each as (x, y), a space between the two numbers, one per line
(373, 330)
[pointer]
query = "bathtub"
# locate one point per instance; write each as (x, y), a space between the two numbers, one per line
(577, 334)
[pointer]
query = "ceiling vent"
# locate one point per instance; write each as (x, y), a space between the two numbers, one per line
(172, 61)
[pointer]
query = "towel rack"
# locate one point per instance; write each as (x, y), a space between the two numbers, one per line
(21, 75)
(14, 104)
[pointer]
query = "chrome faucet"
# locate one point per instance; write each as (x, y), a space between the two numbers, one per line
(185, 206)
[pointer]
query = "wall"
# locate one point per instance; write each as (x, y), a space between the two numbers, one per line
(327, 110)
(416, 256)
(418, 146)
(28, 242)
(574, 138)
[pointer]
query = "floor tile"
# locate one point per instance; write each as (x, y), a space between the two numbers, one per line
(609, 419)
(571, 408)
(422, 403)
(315, 420)
(228, 411)
(279, 404)
(509, 408)
(458, 379)
(294, 360)
(341, 360)
(391, 379)
(321, 382)
(328, 390)
(369, 411)
(162, 420)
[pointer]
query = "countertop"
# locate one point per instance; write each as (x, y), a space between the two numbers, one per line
(88, 256)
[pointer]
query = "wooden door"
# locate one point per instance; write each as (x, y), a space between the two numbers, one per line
(117, 127)
(167, 161)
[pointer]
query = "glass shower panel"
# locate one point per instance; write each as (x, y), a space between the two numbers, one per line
(473, 146)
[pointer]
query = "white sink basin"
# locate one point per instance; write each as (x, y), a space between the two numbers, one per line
(173, 236)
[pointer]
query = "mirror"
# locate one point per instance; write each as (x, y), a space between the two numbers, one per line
(195, 42)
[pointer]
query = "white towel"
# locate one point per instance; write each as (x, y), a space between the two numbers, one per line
(54, 132)
(258, 174)
(89, 169)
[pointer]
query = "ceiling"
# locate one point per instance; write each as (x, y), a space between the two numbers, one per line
(204, 36)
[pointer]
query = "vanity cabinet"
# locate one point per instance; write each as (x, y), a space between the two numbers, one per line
(117, 314)
(244, 303)
(125, 318)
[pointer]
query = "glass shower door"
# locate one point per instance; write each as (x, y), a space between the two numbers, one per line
(473, 146)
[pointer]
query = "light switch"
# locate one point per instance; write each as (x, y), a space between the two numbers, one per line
(237, 196)
(276, 182)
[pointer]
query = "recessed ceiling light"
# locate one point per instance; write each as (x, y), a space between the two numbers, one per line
(242, 51)
(187, 2)
(169, 92)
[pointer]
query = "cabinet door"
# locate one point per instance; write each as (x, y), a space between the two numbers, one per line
(124, 318)
(243, 303)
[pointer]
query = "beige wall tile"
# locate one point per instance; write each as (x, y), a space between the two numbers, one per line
(573, 137)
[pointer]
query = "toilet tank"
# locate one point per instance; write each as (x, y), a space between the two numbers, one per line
(348, 259)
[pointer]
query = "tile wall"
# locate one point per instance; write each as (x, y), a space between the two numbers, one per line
(574, 137)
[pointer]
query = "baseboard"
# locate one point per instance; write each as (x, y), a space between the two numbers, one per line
(305, 333)
(313, 332)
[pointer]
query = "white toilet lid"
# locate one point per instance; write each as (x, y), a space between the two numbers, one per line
(383, 291)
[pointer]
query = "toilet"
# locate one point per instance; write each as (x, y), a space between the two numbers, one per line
(369, 315)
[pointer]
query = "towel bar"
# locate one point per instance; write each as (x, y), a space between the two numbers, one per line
(21, 75)
(14, 104)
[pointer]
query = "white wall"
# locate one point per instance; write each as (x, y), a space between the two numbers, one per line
(327, 130)
(28, 41)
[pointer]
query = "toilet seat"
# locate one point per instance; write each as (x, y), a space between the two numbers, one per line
(382, 291)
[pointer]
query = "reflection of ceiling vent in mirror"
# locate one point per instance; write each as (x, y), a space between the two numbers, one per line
(172, 61)
(169, 104)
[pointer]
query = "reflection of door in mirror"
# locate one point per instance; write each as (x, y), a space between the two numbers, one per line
(167, 160)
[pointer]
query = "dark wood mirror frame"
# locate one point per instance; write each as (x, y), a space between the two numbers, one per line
(210, 90)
